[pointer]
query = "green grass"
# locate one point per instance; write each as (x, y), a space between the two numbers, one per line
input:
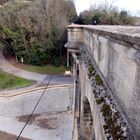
(11, 81)
(48, 69)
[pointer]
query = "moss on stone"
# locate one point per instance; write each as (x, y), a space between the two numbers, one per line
(98, 79)
(91, 71)
(117, 114)
(91, 74)
(111, 127)
(109, 121)
(90, 68)
(117, 132)
(106, 109)
(100, 100)
(105, 128)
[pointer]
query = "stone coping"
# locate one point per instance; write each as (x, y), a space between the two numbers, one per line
(129, 34)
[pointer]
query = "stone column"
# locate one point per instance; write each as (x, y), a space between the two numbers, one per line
(68, 59)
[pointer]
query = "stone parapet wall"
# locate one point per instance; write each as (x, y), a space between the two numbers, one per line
(106, 104)
(116, 52)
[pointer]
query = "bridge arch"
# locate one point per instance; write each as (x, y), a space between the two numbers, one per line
(87, 126)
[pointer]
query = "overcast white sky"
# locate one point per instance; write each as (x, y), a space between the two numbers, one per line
(130, 5)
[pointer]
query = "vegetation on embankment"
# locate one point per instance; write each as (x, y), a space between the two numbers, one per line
(11, 81)
(48, 69)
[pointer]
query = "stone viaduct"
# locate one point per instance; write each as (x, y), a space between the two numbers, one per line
(107, 81)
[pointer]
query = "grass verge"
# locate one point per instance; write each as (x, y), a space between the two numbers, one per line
(46, 69)
(11, 81)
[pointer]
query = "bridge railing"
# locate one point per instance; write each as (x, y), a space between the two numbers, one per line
(116, 52)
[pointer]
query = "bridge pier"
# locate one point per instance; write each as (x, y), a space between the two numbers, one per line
(86, 121)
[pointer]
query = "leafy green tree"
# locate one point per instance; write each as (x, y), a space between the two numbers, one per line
(105, 14)
(16, 41)
(96, 19)
(36, 30)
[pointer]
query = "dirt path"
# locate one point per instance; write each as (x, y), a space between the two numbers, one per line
(7, 67)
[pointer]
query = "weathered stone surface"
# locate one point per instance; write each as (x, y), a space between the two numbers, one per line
(116, 53)
(129, 34)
